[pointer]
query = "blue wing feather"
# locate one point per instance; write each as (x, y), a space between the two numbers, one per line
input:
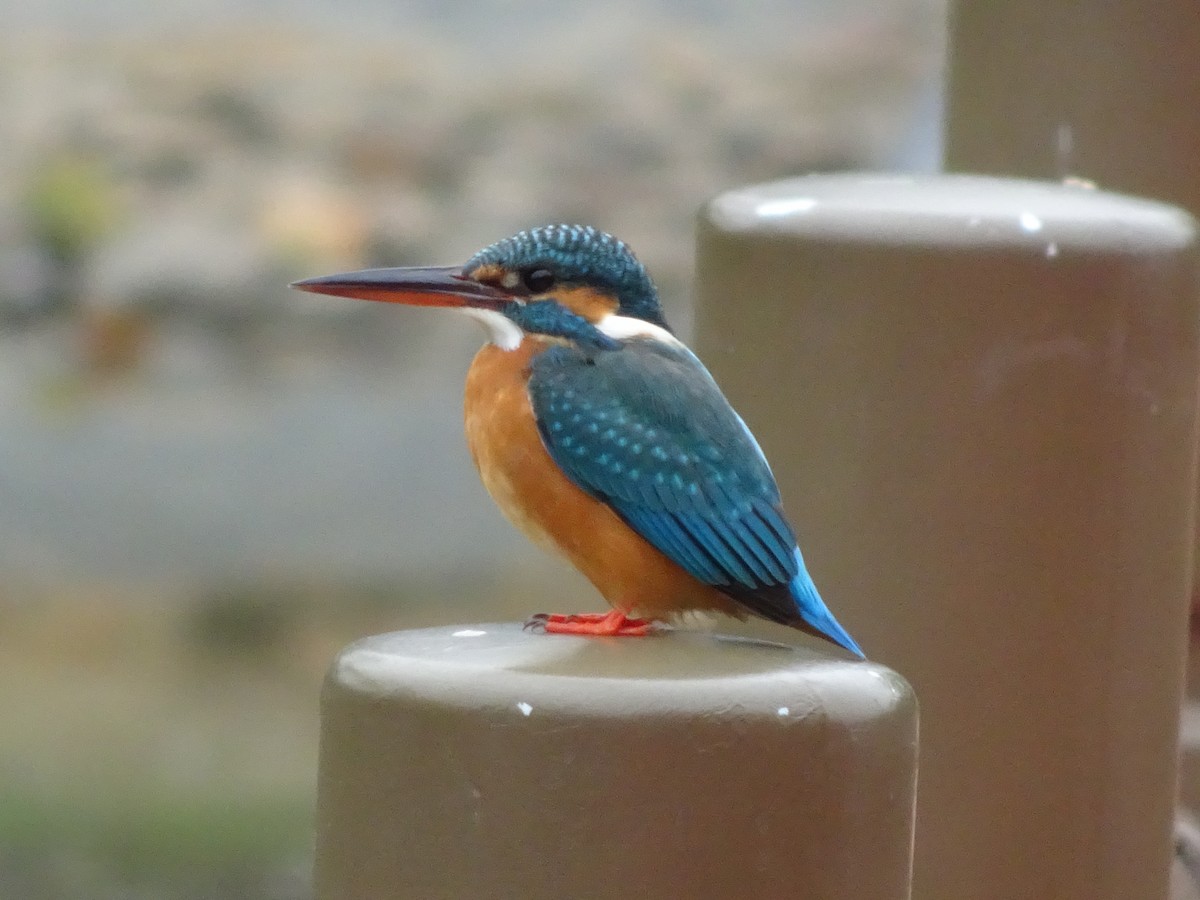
(646, 430)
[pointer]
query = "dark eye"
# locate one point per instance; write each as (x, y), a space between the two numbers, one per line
(538, 281)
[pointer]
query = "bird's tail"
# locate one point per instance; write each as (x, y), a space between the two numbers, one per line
(816, 614)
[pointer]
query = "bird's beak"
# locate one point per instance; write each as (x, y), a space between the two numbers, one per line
(430, 286)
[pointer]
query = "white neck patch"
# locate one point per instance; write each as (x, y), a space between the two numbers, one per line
(507, 335)
(501, 330)
(623, 327)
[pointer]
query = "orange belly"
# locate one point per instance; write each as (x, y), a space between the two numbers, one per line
(540, 500)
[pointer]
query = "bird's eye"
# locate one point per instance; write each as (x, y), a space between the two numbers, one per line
(538, 281)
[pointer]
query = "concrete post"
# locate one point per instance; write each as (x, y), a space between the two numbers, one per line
(486, 762)
(980, 396)
(1054, 88)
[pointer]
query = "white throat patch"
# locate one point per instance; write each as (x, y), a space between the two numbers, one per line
(501, 330)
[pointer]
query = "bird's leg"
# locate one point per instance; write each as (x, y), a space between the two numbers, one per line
(610, 624)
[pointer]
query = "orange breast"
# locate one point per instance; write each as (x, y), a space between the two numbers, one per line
(539, 499)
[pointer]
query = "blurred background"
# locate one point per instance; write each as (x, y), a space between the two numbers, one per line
(209, 484)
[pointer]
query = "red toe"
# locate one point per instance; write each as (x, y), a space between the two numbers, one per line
(610, 624)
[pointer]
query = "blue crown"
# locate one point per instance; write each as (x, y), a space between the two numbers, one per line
(580, 254)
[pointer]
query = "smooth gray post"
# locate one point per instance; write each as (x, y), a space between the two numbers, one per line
(1056, 88)
(980, 399)
(487, 762)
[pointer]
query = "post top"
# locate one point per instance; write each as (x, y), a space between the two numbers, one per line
(952, 210)
(674, 672)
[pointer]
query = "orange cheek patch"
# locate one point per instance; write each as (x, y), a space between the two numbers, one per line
(585, 301)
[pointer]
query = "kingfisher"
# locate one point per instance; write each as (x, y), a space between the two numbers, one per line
(602, 437)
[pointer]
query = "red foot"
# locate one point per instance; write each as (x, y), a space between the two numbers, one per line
(609, 624)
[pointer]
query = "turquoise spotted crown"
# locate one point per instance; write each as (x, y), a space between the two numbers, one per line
(580, 254)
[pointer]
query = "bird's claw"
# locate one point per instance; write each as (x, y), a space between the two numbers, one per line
(536, 623)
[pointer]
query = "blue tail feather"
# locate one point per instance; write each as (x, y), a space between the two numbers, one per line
(815, 613)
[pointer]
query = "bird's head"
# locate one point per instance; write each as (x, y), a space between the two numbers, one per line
(570, 282)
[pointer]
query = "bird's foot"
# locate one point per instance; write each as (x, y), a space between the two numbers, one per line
(609, 624)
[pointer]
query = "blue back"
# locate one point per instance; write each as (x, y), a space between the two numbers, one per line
(647, 430)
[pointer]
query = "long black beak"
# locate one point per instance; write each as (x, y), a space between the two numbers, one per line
(428, 286)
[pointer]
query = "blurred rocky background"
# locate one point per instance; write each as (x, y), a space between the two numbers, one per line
(208, 483)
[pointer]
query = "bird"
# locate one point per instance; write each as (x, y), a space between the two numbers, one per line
(602, 436)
